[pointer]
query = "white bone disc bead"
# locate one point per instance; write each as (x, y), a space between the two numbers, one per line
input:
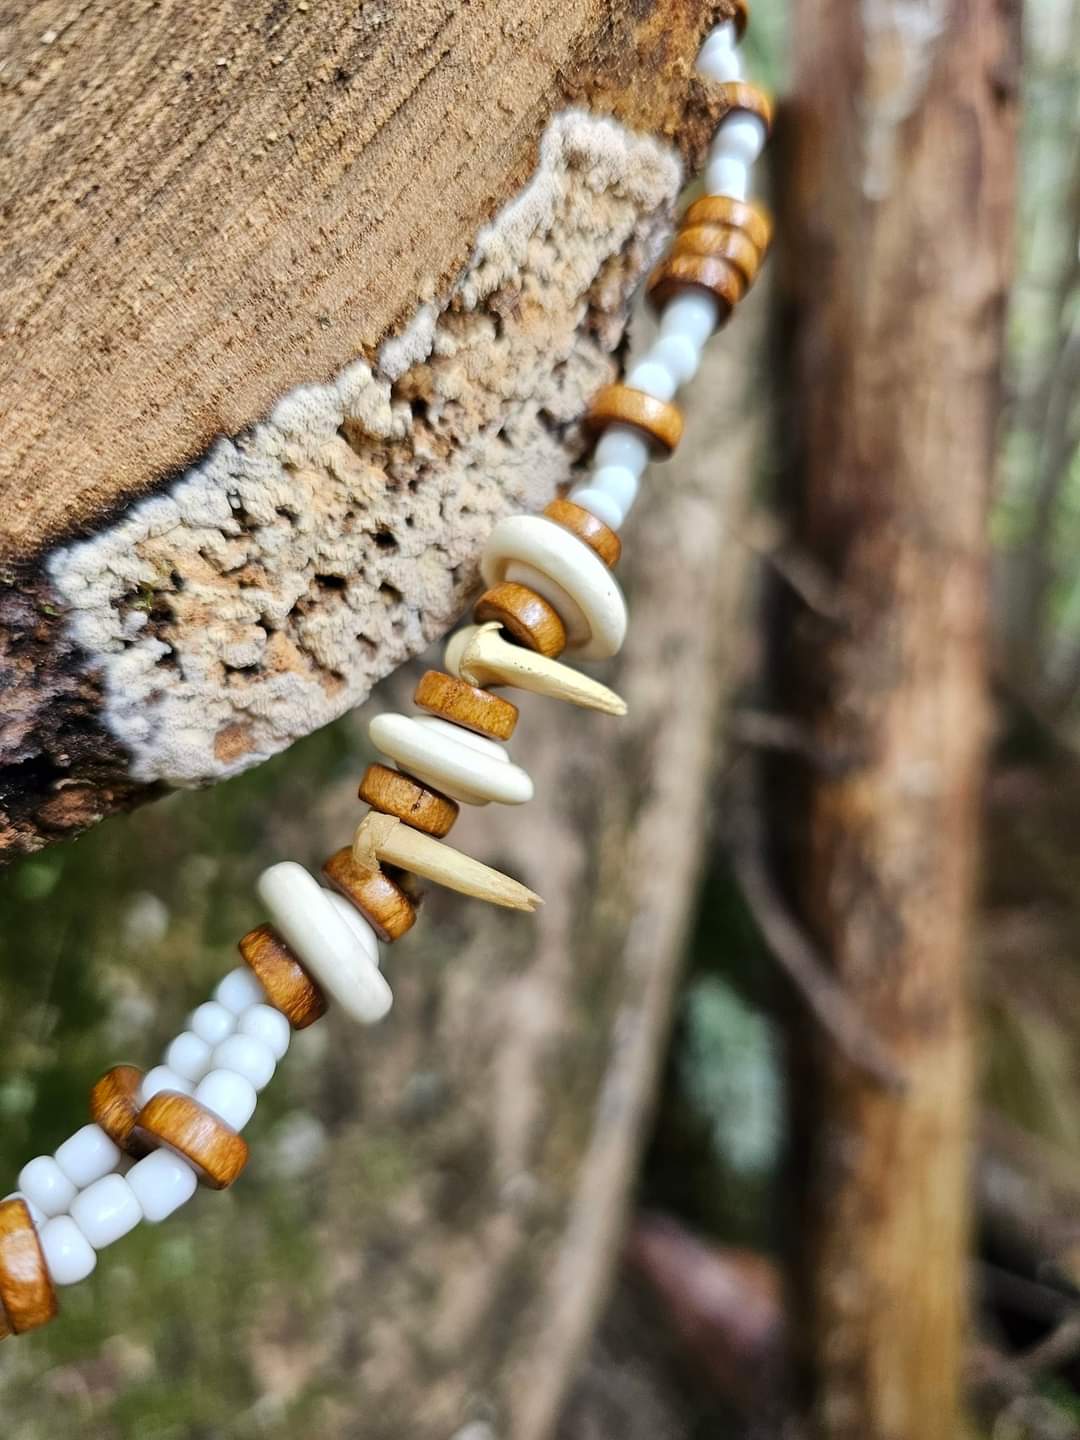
(600, 504)
(239, 989)
(68, 1254)
(212, 1022)
(569, 564)
(37, 1215)
(451, 760)
(188, 1056)
(741, 136)
(329, 947)
(42, 1181)
(161, 1077)
(567, 609)
(229, 1096)
(162, 1182)
(248, 1057)
(356, 923)
(690, 315)
(263, 1022)
(724, 176)
(653, 375)
(87, 1156)
(622, 445)
(106, 1211)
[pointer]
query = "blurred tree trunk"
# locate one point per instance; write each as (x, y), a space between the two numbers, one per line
(898, 187)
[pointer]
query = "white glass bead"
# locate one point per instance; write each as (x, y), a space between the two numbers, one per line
(42, 1181)
(106, 1210)
(618, 482)
(692, 314)
(68, 1254)
(652, 375)
(622, 445)
(162, 1182)
(240, 989)
(161, 1077)
(679, 353)
(263, 1022)
(212, 1022)
(599, 504)
(356, 923)
(249, 1057)
(741, 136)
(727, 177)
(308, 922)
(87, 1156)
(229, 1096)
(37, 1215)
(718, 59)
(188, 1056)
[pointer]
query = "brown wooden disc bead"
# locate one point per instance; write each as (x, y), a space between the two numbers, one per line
(289, 988)
(115, 1105)
(381, 900)
(724, 242)
(741, 17)
(741, 95)
(394, 793)
(525, 616)
(588, 527)
(467, 705)
(703, 272)
(213, 1149)
(659, 420)
(27, 1296)
(746, 215)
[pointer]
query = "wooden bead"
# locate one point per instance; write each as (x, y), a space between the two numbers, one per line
(746, 215)
(27, 1296)
(381, 900)
(213, 1149)
(703, 272)
(289, 988)
(393, 793)
(723, 241)
(524, 615)
(740, 17)
(588, 527)
(618, 404)
(114, 1105)
(741, 95)
(466, 705)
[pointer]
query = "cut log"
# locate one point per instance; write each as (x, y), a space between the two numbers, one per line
(898, 191)
(388, 251)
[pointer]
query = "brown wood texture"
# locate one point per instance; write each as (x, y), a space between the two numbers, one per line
(395, 793)
(211, 1147)
(723, 241)
(27, 1296)
(661, 421)
(289, 987)
(588, 527)
(379, 898)
(114, 1105)
(720, 278)
(740, 95)
(896, 196)
(468, 705)
(749, 216)
(525, 616)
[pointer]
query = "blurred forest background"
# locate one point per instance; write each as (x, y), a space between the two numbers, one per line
(306, 1299)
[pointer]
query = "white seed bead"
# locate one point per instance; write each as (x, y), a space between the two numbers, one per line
(741, 137)
(450, 762)
(356, 923)
(571, 566)
(679, 353)
(188, 1056)
(42, 1181)
(622, 445)
(600, 504)
(248, 1057)
(263, 1022)
(106, 1210)
(654, 376)
(692, 315)
(618, 482)
(37, 1215)
(68, 1254)
(161, 1077)
(161, 1182)
(329, 948)
(87, 1156)
(240, 989)
(212, 1022)
(718, 59)
(229, 1096)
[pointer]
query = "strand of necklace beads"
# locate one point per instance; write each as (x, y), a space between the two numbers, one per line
(154, 1137)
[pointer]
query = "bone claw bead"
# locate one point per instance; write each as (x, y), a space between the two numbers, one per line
(480, 655)
(385, 838)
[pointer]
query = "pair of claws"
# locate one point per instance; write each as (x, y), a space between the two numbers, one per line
(479, 655)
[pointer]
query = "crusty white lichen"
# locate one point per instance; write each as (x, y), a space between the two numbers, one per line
(269, 588)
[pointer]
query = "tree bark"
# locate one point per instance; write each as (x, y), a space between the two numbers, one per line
(897, 191)
(390, 254)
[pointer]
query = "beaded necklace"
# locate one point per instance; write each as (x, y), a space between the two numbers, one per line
(154, 1137)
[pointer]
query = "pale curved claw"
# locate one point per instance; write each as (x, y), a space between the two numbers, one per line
(480, 655)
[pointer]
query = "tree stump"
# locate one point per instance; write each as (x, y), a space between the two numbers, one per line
(297, 303)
